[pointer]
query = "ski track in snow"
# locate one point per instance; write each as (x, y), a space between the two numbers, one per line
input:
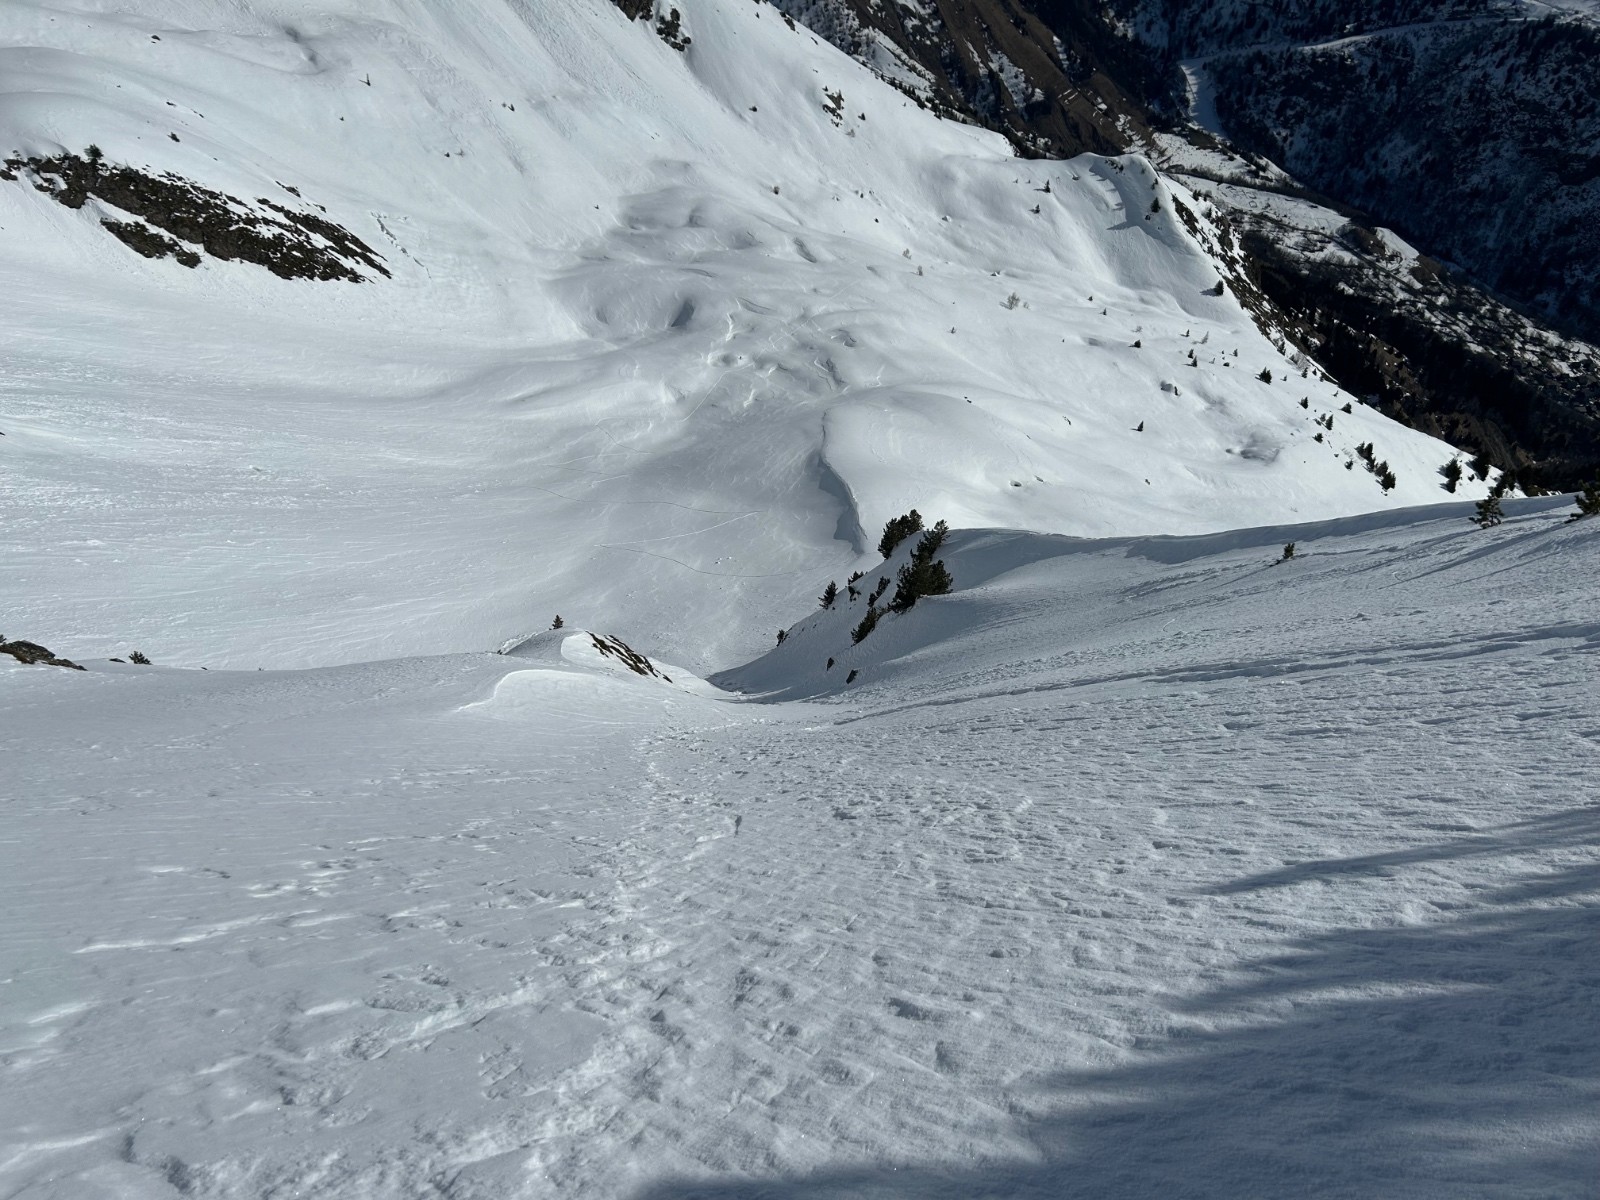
(1203, 878)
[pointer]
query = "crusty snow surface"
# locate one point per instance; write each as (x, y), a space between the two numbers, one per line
(1130, 869)
(1138, 866)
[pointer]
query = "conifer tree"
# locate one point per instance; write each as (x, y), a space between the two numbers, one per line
(829, 594)
(898, 530)
(868, 624)
(1588, 502)
(1488, 514)
(923, 575)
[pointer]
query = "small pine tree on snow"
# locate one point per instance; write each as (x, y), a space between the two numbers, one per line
(878, 591)
(829, 594)
(1288, 552)
(868, 624)
(1588, 502)
(1265, 376)
(1386, 479)
(782, 633)
(1452, 474)
(897, 530)
(139, 658)
(1347, 409)
(1480, 465)
(1488, 512)
(557, 623)
(923, 575)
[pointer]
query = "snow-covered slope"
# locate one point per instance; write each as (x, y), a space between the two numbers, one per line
(665, 331)
(1132, 868)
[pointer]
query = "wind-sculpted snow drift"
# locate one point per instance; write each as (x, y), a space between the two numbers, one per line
(664, 331)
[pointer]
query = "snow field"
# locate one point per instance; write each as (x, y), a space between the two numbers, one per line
(1157, 869)
(1138, 866)
(667, 336)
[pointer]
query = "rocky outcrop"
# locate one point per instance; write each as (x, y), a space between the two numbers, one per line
(1052, 77)
(291, 242)
(32, 652)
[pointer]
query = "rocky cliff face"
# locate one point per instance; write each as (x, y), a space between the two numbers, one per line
(1050, 75)
(1173, 30)
(1477, 139)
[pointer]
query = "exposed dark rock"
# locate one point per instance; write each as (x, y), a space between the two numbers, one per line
(669, 25)
(290, 243)
(148, 242)
(32, 652)
(1428, 348)
(1045, 73)
(669, 29)
(615, 647)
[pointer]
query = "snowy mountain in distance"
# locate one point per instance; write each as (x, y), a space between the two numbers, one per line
(665, 336)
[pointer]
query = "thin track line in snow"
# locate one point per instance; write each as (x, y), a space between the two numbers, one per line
(674, 536)
(699, 571)
(710, 512)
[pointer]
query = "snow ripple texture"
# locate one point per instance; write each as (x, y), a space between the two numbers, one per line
(1141, 869)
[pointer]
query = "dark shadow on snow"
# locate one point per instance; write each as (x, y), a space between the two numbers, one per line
(1372, 1061)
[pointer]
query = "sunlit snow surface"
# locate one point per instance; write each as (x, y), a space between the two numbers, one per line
(1130, 869)
(669, 335)
(1135, 867)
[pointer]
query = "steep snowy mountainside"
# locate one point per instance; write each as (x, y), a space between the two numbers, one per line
(1461, 360)
(1416, 337)
(663, 332)
(1129, 869)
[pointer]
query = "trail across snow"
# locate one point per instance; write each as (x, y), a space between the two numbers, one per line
(1137, 868)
